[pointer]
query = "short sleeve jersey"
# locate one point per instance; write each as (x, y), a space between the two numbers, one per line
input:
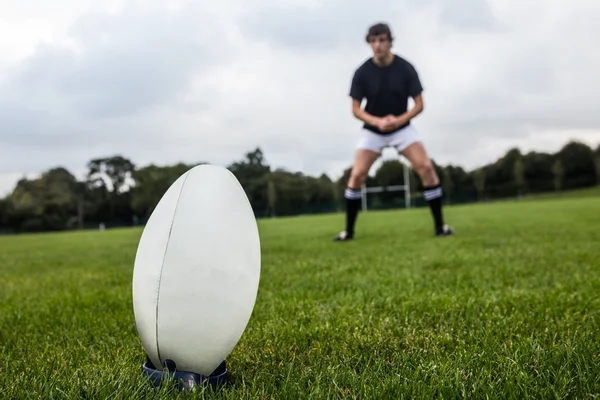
(386, 89)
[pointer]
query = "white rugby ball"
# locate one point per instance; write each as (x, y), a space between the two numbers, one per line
(196, 271)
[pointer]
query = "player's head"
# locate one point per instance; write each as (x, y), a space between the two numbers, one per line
(379, 36)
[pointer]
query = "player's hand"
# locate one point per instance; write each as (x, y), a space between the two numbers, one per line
(386, 123)
(394, 122)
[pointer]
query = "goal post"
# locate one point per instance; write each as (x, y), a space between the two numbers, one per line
(365, 190)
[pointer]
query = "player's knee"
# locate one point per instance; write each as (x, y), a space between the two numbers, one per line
(425, 169)
(357, 178)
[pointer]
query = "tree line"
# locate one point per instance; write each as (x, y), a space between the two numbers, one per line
(116, 192)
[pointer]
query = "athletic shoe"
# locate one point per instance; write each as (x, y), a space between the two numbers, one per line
(343, 236)
(446, 230)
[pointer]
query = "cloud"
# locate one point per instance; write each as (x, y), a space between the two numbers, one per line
(185, 81)
(103, 88)
(469, 15)
(313, 26)
(123, 63)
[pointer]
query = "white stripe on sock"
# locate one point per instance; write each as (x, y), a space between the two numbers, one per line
(432, 194)
(352, 194)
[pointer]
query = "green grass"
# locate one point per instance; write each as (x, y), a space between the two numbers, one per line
(508, 308)
(593, 191)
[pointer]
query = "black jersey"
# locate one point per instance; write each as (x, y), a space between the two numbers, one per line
(387, 89)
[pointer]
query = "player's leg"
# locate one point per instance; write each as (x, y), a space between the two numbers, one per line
(411, 147)
(367, 153)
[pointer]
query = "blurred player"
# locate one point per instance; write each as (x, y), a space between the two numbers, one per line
(387, 81)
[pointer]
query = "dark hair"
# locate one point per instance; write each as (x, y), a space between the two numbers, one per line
(379, 29)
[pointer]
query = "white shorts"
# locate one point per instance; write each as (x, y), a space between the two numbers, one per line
(400, 140)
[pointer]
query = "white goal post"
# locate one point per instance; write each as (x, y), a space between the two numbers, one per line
(395, 188)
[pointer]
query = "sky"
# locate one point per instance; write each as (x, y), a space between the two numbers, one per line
(200, 81)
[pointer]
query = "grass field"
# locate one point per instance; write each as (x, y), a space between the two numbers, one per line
(508, 308)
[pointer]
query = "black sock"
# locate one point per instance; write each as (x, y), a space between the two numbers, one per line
(353, 197)
(433, 196)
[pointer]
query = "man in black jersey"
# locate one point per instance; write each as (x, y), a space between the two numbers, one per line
(386, 81)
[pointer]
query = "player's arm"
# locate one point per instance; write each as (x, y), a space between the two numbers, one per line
(362, 115)
(404, 118)
(357, 93)
(417, 108)
(415, 90)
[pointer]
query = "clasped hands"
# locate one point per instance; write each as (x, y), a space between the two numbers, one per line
(391, 122)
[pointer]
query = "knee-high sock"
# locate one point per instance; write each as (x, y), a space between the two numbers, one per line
(433, 196)
(353, 197)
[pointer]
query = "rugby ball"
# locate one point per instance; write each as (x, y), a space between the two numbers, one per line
(196, 271)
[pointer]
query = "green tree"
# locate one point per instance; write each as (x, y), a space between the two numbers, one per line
(272, 197)
(109, 180)
(251, 173)
(500, 177)
(48, 202)
(447, 183)
(597, 165)
(519, 175)
(578, 165)
(462, 183)
(150, 184)
(3, 213)
(480, 182)
(559, 174)
(112, 172)
(538, 171)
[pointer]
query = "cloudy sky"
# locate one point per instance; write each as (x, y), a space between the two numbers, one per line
(162, 83)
